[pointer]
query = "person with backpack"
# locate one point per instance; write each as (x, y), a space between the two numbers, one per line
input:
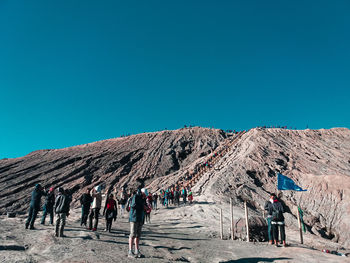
(136, 219)
(85, 201)
(110, 211)
(96, 206)
(48, 206)
(62, 204)
(34, 207)
(277, 221)
(268, 208)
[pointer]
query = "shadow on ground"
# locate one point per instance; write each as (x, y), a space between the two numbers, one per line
(253, 260)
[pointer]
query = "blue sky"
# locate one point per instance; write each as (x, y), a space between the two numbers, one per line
(74, 72)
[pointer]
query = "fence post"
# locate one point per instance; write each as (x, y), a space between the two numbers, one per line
(221, 226)
(232, 229)
(300, 229)
(246, 219)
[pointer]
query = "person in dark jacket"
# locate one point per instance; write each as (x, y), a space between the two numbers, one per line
(48, 206)
(136, 219)
(110, 211)
(62, 204)
(277, 221)
(268, 208)
(85, 201)
(34, 208)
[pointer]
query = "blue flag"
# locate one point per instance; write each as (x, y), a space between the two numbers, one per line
(285, 183)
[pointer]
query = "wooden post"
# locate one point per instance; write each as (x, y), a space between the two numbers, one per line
(221, 226)
(246, 219)
(300, 229)
(232, 229)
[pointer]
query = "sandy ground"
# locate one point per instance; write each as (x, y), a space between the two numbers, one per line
(184, 234)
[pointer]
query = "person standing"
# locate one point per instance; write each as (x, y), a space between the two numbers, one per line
(155, 199)
(184, 195)
(277, 221)
(110, 211)
(85, 201)
(62, 204)
(34, 207)
(123, 200)
(95, 208)
(48, 206)
(136, 219)
(177, 197)
(268, 208)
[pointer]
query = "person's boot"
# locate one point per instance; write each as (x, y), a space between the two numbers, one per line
(56, 231)
(61, 232)
(26, 225)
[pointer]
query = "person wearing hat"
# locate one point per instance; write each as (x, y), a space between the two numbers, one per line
(34, 207)
(48, 206)
(96, 206)
(62, 204)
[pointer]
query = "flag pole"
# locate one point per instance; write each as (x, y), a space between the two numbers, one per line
(300, 230)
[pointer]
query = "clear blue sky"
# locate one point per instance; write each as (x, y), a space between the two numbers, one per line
(74, 72)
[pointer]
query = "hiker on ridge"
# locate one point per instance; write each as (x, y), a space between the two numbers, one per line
(136, 219)
(62, 204)
(277, 221)
(85, 201)
(34, 208)
(48, 206)
(95, 208)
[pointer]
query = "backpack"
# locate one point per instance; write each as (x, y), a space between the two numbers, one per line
(277, 214)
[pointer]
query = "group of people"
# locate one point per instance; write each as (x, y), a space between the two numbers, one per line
(53, 204)
(275, 221)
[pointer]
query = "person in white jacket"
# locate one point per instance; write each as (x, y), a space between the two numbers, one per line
(96, 206)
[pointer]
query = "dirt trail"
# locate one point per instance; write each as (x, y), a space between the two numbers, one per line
(184, 234)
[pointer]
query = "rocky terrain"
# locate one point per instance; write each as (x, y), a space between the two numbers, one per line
(114, 163)
(246, 170)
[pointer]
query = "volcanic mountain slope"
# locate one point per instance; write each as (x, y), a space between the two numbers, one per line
(318, 160)
(115, 162)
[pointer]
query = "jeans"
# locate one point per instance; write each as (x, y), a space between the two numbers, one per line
(33, 212)
(94, 215)
(47, 210)
(60, 223)
(269, 229)
(85, 209)
(275, 226)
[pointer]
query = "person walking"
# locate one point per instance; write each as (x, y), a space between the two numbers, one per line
(95, 208)
(34, 207)
(48, 206)
(85, 201)
(136, 219)
(62, 204)
(184, 195)
(268, 208)
(123, 200)
(110, 211)
(177, 197)
(155, 199)
(277, 221)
